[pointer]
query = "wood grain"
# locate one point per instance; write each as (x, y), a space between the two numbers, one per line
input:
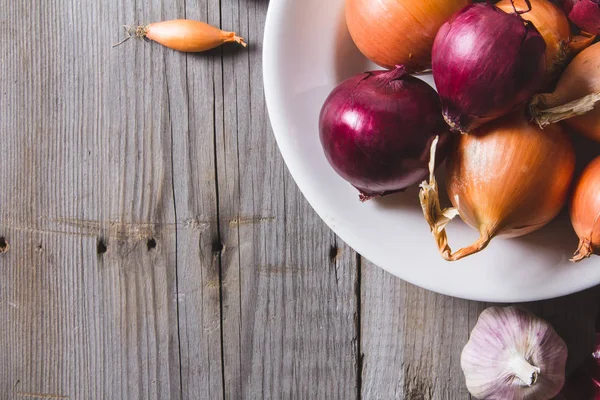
(158, 247)
(197, 112)
(413, 338)
(88, 309)
(288, 287)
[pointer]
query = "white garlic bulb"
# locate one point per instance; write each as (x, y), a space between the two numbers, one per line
(513, 355)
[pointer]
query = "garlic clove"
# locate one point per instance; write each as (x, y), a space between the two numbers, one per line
(512, 354)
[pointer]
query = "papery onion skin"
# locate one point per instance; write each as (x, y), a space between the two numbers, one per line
(552, 23)
(394, 32)
(508, 178)
(580, 79)
(376, 129)
(485, 64)
(585, 211)
(585, 14)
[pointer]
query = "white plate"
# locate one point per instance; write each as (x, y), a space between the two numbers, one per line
(307, 51)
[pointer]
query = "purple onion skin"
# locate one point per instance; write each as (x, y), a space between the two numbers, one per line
(485, 64)
(376, 129)
(585, 14)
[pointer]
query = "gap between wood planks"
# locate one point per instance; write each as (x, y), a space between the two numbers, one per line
(177, 311)
(236, 222)
(357, 327)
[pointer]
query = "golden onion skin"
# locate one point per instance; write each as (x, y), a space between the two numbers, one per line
(552, 23)
(585, 211)
(580, 79)
(398, 32)
(510, 177)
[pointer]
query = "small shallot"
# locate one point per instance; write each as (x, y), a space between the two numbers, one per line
(184, 35)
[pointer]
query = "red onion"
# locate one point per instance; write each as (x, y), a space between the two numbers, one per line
(485, 64)
(376, 129)
(585, 14)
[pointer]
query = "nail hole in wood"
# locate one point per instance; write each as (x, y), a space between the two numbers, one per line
(3, 245)
(334, 253)
(151, 244)
(217, 247)
(101, 247)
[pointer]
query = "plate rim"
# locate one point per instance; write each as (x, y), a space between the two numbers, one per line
(275, 9)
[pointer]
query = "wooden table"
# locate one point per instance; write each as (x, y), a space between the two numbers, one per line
(158, 247)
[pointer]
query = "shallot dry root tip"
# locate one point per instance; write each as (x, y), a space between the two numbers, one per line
(126, 27)
(583, 251)
(141, 31)
(133, 31)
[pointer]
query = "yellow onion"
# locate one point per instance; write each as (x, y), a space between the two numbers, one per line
(585, 211)
(553, 25)
(398, 32)
(508, 178)
(575, 97)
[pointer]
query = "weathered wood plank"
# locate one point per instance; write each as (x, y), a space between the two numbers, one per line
(288, 287)
(196, 108)
(141, 186)
(88, 287)
(412, 338)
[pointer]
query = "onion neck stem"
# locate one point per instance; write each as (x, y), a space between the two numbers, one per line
(437, 218)
(393, 75)
(544, 117)
(526, 372)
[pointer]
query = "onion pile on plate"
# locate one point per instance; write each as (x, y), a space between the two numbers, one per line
(385, 131)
